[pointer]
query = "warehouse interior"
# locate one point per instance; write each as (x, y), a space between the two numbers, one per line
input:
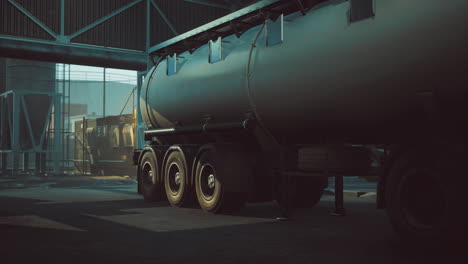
(99, 82)
(233, 131)
(82, 94)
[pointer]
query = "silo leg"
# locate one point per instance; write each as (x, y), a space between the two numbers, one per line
(15, 145)
(56, 170)
(4, 162)
(38, 163)
(25, 161)
(15, 165)
(43, 163)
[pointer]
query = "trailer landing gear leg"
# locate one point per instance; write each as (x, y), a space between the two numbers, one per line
(288, 194)
(339, 201)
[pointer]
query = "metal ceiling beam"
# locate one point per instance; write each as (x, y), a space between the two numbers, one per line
(148, 25)
(213, 24)
(53, 51)
(62, 18)
(33, 18)
(164, 17)
(103, 19)
(63, 49)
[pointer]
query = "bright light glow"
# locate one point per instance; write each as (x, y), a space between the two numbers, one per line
(90, 73)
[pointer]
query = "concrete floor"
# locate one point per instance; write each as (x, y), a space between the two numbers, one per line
(90, 220)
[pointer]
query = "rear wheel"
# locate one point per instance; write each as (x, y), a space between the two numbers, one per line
(211, 185)
(175, 179)
(149, 178)
(424, 198)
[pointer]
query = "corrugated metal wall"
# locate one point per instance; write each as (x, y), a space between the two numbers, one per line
(126, 30)
(15, 23)
(184, 16)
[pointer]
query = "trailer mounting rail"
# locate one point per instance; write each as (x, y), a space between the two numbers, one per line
(235, 23)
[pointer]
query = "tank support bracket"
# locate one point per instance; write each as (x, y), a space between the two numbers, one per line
(339, 200)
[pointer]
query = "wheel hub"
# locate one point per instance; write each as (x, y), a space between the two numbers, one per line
(150, 175)
(211, 181)
(207, 181)
(147, 174)
(177, 178)
(174, 178)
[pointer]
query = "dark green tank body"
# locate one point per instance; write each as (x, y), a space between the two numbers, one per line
(373, 81)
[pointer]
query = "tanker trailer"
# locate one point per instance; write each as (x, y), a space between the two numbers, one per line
(273, 98)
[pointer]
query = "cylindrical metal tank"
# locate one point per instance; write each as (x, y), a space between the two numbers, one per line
(372, 80)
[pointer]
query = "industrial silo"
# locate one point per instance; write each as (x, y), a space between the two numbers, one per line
(28, 92)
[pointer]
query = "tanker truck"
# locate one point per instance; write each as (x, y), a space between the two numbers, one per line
(278, 96)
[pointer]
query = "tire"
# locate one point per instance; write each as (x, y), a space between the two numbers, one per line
(149, 179)
(425, 200)
(211, 191)
(307, 191)
(176, 179)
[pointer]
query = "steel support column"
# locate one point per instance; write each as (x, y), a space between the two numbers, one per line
(57, 139)
(140, 125)
(14, 137)
(104, 94)
(62, 18)
(339, 200)
(148, 24)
